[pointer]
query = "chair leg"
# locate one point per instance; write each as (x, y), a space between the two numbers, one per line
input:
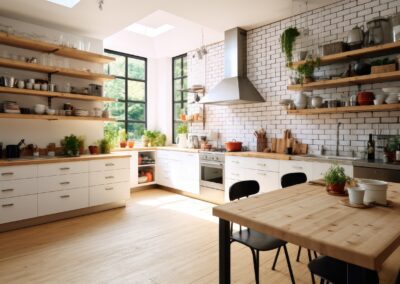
(309, 259)
(315, 254)
(289, 265)
(256, 263)
(298, 254)
(322, 281)
(276, 258)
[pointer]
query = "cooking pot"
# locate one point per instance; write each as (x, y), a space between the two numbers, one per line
(365, 98)
(362, 68)
(13, 151)
(233, 146)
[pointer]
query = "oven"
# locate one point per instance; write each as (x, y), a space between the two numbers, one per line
(212, 176)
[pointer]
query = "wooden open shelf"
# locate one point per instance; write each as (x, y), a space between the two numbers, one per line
(383, 49)
(52, 117)
(9, 63)
(348, 81)
(27, 92)
(42, 46)
(385, 107)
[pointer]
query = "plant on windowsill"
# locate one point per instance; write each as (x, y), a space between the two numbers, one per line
(288, 38)
(335, 179)
(306, 70)
(122, 138)
(81, 140)
(182, 131)
(105, 145)
(153, 138)
(71, 146)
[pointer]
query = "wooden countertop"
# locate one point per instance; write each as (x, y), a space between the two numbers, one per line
(167, 148)
(275, 156)
(50, 160)
(306, 215)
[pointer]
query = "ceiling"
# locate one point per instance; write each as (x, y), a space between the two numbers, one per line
(87, 20)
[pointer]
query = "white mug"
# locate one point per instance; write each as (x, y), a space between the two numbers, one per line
(21, 84)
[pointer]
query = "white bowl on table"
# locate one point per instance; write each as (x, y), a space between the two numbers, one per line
(375, 191)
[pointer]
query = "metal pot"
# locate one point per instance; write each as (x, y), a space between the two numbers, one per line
(379, 31)
(233, 146)
(362, 68)
(355, 36)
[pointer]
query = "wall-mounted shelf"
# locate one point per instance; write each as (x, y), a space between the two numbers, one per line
(383, 49)
(194, 90)
(52, 117)
(385, 107)
(42, 46)
(348, 81)
(9, 63)
(27, 92)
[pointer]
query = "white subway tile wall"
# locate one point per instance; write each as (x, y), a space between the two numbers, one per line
(267, 71)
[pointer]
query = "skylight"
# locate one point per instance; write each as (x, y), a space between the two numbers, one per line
(65, 3)
(149, 31)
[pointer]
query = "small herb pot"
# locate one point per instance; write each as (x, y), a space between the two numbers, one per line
(338, 188)
(122, 144)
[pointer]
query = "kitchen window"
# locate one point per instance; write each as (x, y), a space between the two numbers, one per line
(130, 90)
(179, 83)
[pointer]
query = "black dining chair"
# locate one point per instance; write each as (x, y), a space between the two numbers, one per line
(290, 180)
(254, 240)
(332, 270)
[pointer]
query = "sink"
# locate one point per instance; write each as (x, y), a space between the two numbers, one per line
(331, 157)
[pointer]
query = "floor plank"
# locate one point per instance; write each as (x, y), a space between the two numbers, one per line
(160, 237)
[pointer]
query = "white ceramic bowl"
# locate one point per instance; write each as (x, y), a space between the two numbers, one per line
(39, 109)
(50, 111)
(375, 191)
(356, 195)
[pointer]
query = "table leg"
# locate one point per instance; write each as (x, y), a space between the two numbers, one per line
(224, 252)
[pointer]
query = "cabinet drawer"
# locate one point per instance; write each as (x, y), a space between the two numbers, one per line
(235, 173)
(319, 169)
(18, 208)
(107, 177)
(103, 194)
(18, 172)
(295, 167)
(266, 165)
(56, 169)
(239, 162)
(19, 187)
(109, 164)
(62, 182)
(64, 200)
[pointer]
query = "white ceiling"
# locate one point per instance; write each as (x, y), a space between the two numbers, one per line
(86, 19)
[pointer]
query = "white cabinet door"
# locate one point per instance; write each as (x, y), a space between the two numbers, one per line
(268, 180)
(109, 193)
(62, 182)
(107, 177)
(55, 169)
(190, 173)
(287, 167)
(18, 208)
(319, 169)
(109, 164)
(17, 172)
(18, 187)
(60, 201)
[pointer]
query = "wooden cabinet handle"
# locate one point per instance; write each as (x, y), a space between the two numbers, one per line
(8, 205)
(7, 174)
(7, 190)
(64, 169)
(109, 188)
(65, 196)
(65, 183)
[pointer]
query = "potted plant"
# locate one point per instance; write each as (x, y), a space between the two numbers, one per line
(390, 149)
(105, 146)
(71, 146)
(131, 140)
(306, 70)
(335, 179)
(111, 132)
(288, 38)
(182, 131)
(122, 138)
(81, 140)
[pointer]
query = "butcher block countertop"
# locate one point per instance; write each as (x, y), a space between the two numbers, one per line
(49, 160)
(263, 155)
(167, 148)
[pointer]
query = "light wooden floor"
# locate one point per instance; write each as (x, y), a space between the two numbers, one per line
(160, 237)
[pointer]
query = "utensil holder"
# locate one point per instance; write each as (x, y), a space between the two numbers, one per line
(261, 144)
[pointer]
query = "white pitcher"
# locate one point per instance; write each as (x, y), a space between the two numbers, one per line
(181, 140)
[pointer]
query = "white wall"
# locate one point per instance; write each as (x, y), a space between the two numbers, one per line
(43, 132)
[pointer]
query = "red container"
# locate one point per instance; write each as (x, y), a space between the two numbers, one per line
(94, 150)
(337, 188)
(365, 98)
(233, 146)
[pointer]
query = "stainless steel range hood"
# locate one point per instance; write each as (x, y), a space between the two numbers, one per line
(235, 88)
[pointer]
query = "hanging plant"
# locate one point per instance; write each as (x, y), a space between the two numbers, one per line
(288, 38)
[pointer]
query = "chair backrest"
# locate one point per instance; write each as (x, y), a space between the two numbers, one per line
(293, 179)
(243, 189)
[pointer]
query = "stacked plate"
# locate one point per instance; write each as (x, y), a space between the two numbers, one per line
(11, 107)
(393, 97)
(81, 112)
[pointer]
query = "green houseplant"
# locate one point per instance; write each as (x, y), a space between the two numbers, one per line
(71, 145)
(391, 147)
(81, 140)
(153, 138)
(182, 129)
(288, 37)
(105, 145)
(306, 70)
(335, 179)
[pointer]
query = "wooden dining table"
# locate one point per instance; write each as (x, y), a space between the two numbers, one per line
(306, 215)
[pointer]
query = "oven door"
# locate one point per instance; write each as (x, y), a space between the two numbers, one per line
(212, 175)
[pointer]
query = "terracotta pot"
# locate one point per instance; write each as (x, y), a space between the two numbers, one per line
(338, 188)
(122, 144)
(93, 150)
(308, 80)
(131, 144)
(233, 146)
(365, 98)
(81, 151)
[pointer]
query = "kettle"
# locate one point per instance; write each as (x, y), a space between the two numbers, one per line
(14, 151)
(355, 36)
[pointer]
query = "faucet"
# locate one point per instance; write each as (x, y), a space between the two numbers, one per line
(337, 138)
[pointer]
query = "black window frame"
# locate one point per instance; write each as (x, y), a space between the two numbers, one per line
(126, 101)
(181, 101)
